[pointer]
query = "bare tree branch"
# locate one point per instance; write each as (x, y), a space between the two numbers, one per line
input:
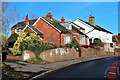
(5, 19)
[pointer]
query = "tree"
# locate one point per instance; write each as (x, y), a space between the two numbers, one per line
(0, 16)
(5, 19)
(9, 15)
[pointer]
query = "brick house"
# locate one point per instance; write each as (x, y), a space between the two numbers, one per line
(18, 27)
(52, 30)
(25, 25)
(116, 40)
(59, 32)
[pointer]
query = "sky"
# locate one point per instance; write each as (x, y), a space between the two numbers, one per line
(105, 13)
(60, 0)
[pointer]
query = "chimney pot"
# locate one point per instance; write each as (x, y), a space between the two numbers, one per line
(62, 20)
(92, 20)
(49, 15)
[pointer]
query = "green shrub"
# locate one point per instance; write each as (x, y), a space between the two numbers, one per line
(26, 41)
(12, 39)
(69, 45)
(35, 60)
(97, 42)
(49, 46)
(31, 41)
(74, 44)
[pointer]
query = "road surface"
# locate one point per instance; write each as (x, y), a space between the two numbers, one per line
(91, 69)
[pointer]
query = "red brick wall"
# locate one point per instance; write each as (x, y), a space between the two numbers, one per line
(86, 40)
(71, 36)
(50, 34)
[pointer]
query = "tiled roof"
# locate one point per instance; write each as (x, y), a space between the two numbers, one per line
(36, 30)
(22, 24)
(57, 25)
(54, 22)
(96, 27)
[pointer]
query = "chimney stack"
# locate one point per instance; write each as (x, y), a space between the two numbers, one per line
(27, 20)
(92, 20)
(49, 15)
(62, 20)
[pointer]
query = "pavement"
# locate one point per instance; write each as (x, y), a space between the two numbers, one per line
(27, 67)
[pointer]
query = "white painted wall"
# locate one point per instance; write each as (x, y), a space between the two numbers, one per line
(104, 36)
(110, 38)
(26, 56)
(85, 26)
(94, 34)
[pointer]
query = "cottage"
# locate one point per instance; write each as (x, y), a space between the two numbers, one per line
(17, 28)
(116, 40)
(51, 30)
(59, 32)
(95, 32)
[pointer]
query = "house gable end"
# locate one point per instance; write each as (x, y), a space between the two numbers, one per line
(81, 21)
(94, 26)
(47, 23)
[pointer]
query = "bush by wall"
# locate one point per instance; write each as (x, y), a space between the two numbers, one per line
(12, 39)
(74, 44)
(35, 60)
(32, 42)
(97, 42)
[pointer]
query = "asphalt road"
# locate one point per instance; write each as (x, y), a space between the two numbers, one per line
(91, 69)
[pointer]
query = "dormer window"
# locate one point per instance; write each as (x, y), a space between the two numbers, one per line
(18, 29)
(68, 26)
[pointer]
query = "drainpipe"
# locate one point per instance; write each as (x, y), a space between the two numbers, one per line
(60, 39)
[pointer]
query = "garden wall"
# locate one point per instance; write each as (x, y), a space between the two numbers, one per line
(59, 54)
(90, 52)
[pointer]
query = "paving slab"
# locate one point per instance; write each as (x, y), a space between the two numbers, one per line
(27, 67)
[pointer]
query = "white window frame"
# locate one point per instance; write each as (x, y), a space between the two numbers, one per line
(69, 26)
(66, 39)
(82, 39)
